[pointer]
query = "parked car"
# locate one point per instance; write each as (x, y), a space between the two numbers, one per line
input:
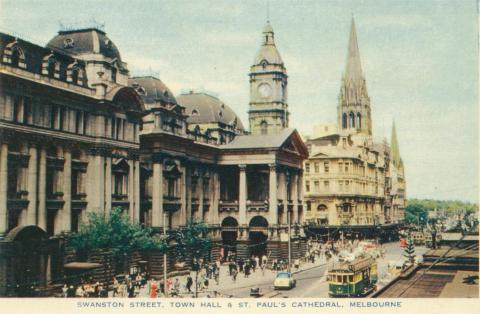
(284, 280)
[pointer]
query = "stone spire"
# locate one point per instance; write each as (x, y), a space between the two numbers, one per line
(268, 51)
(354, 113)
(397, 161)
(353, 70)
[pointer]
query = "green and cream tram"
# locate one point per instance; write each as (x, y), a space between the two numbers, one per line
(356, 278)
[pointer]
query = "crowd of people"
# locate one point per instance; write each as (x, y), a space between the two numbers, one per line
(206, 273)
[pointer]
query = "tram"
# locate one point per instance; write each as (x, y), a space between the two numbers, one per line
(355, 278)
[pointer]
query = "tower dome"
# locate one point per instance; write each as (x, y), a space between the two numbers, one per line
(203, 108)
(268, 51)
(84, 41)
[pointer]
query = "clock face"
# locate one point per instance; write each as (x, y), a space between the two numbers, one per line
(265, 90)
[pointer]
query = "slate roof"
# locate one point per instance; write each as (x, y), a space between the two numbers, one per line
(89, 40)
(152, 89)
(209, 110)
(259, 141)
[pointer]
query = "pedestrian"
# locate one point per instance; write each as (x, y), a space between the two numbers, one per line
(247, 270)
(257, 262)
(65, 291)
(153, 288)
(241, 263)
(80, 293)
(115, 287)
(176, 286)
(234, 275)
(71, 292)
(217, 276)
(189, 283)
(102, 292)
(297, 263)
(264, 260)
(130, 289)
(205, 282)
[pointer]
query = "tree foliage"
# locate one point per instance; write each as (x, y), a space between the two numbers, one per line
(192, 241)
(115, 232)
(409, 251)
(417, 210)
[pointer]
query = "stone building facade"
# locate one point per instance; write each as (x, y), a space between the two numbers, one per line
(79, 134)
(353, 186)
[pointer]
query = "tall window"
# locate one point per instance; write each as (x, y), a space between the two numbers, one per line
(307, 167)
(114, 75)
(340, 167)
(307, 186)
(326, 167)
(51, 67)
(27, 111)
(359, 120)
(15, 56)
(344, 121)
(326, 185)
(317, 167)
(352, 119)
(316, 186)
(263, 128)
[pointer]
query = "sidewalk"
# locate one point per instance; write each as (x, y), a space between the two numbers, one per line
(226, 284)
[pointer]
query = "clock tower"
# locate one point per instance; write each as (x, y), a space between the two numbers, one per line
(268, 112)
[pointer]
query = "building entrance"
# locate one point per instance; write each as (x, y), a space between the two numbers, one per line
(258, 236)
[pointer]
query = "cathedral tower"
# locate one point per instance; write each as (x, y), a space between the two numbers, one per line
(268, 112)
(354, 103)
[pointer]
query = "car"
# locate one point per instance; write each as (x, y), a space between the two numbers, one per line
(284, 280)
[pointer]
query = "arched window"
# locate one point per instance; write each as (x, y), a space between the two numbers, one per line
(51, 67)
(344, 121)
(15, 56)
(263, 128)
(114, 74)
(75, 71)
(352, 120)
(359, 120)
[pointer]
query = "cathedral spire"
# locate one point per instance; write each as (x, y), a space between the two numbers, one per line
(397, 161)
(353, 70)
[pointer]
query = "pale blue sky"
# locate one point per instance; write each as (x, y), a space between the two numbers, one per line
(419, 59)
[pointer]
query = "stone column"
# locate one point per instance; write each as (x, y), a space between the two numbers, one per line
(200, 196)
(157, 195)
(42, 189)
(242, 195)
(108, 184)
(183, 196)
(131, 189)
(67, 191)
(3, 189)
(294, 192)
(300, 196)
(214, 197)
(99, 190)
(272, 196)
(32, 187)
(136, 192)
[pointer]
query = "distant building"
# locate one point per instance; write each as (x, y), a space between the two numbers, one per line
(353, 185)
(78, 134)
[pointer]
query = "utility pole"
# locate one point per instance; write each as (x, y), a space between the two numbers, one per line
(165, 289)
(289, 242)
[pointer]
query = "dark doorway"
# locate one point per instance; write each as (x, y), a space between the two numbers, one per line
(258, 236)
(229, 236)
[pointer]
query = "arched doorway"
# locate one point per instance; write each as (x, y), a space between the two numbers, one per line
(258, 235)
(28, 261)
(229, 236)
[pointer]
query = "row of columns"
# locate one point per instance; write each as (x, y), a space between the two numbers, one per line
(185, 196)
(277, 190)
(99, 188)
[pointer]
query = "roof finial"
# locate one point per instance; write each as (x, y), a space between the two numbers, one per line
(268, 11)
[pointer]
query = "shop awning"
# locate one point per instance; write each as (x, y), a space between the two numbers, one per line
(82, 265)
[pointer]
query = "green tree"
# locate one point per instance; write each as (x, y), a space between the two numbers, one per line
(409, 251)
(193, 243)
(114, 232)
